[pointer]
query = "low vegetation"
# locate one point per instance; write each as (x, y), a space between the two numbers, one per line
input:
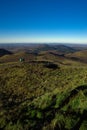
(43, 96)
(45, 91)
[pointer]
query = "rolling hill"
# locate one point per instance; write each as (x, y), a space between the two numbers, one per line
(48, 91)
(49, 56)
(38, 47)
(78, 56)
(16, 56)
(59, 48)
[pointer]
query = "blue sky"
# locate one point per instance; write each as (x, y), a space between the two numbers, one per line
(43, 21)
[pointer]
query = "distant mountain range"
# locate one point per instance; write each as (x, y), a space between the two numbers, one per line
(21, 46)
(59, 48)
(38, 47)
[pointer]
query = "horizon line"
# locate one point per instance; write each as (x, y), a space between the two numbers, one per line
(41, 43)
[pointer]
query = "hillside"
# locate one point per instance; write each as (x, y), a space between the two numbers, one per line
(79, 56)
(16, 56)
(34, 96)
(51, 56)
(47, 91)
(4, 52)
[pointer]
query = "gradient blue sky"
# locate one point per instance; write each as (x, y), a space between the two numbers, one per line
(43, 21)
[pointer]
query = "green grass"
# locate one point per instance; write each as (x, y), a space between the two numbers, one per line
(34, 97)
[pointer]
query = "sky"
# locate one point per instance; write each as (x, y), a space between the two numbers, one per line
(43, 21)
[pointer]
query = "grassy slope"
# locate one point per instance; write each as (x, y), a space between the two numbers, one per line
(58, 58)
(51, 56)
(16, 56)
(34, 97)
(79, 55)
